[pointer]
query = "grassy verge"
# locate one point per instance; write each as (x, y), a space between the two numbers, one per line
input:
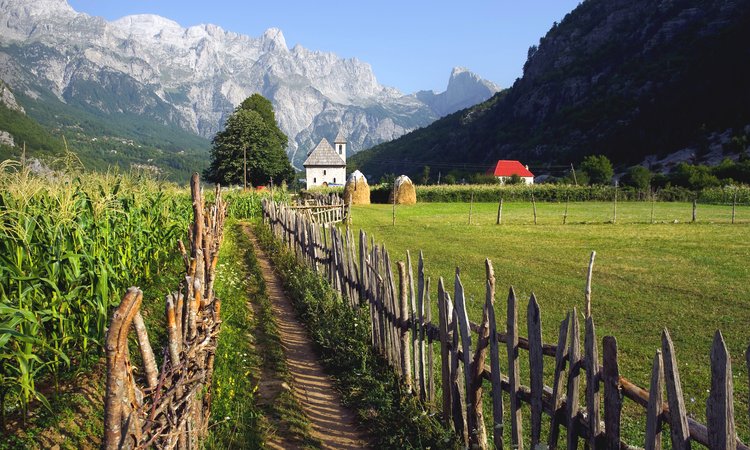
(342, 337)
(249, 349)
(690, 278)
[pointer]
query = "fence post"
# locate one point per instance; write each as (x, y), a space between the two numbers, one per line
(558, 384)
(573, 382)
(720, 403)
(499, 212)
(695, 207)
(653, 410)
(403, 327)
(536, 368)
(497, 388)
(678, 428)
(612, 394)
(592, 381)
(445, 374)
(514, 372)
(587, 292)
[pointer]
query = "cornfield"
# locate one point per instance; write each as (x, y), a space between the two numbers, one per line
(69, 246)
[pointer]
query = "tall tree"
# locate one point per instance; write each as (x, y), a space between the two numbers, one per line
(250, 134)
(598, 168)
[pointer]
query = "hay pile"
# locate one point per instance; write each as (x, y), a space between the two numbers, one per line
(357, 191)
(404, 190)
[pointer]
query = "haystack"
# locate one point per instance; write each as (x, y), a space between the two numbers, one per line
(404, 190)
(357, 191)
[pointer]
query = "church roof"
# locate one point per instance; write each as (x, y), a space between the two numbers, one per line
(324, 156)
(340, 139)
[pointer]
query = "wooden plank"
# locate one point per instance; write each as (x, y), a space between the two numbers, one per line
(420, 330)
(612, 393)
(720, 403)
(655, 400)
(414, 323)
(514, 381)
(457, 390)
(445, 373)
(593, 397)
(536, 368)
(574, 378)
(430, 355)
(496, 379)
(363, 280)
(393, 333)
(462, 317)
(678, 429)
(558, 383)
(403, 330)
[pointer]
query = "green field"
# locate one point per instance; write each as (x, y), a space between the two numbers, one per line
(690, 278)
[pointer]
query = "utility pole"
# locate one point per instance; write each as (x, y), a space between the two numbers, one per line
(573, 169)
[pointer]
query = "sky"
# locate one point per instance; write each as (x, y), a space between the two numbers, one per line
(411, 44)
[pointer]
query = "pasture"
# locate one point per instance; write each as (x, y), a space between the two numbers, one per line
(689, 277)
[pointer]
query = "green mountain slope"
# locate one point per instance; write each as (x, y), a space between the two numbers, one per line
(621, 78)
(101, 141)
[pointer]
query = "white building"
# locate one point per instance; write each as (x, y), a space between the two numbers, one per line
(326, 165)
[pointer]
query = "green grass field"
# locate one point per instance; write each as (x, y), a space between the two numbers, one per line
(691, 278)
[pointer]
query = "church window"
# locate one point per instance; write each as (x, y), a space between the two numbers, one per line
(324, 171)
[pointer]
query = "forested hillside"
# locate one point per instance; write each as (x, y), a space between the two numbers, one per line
(626, 79)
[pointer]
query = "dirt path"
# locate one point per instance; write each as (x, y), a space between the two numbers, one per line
(333, 425)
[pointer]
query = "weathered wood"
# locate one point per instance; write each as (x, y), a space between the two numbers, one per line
(457, 376)
(720, 403)
(571, 400)
(420, 329)
(533, 204)
(116, 402)
(147, 354)
(499, 212)
(679, 431)
(592, 382)
(655, 400)
(497, 388)
(536, 368)
(558, 384)
(430, 356)
(404, 317)
(414, 325)
(612, 394)
(445, 374)
(565, 214)
(514, 376)
(475, 429)
(587, 292)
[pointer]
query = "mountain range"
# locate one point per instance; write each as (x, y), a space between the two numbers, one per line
(639, 81)
(132, 78)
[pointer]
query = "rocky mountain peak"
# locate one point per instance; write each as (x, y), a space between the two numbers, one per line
(273, 40)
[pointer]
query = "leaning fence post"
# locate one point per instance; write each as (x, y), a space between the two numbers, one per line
(678, 428)
(653, 410)
(720, 402)
(587, 292)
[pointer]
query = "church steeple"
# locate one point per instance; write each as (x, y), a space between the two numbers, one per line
(339, 144)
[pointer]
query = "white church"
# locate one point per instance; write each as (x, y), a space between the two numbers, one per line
(326, 165)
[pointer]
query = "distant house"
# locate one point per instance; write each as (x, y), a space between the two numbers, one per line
(507, 168)
(326, 165)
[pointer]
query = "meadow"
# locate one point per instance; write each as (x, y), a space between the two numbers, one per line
(692, 278)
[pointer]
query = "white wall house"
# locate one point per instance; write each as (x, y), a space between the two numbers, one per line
(505, 169)
(326, 164)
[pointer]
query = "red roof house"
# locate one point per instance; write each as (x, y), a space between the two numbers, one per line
(507, 168)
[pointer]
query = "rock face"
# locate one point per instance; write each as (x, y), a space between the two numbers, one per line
(193, 77)
(464, 89)
(8, 99)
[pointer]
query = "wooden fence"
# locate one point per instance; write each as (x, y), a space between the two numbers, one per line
(172, 409)
(324, 209)
(405, 333)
